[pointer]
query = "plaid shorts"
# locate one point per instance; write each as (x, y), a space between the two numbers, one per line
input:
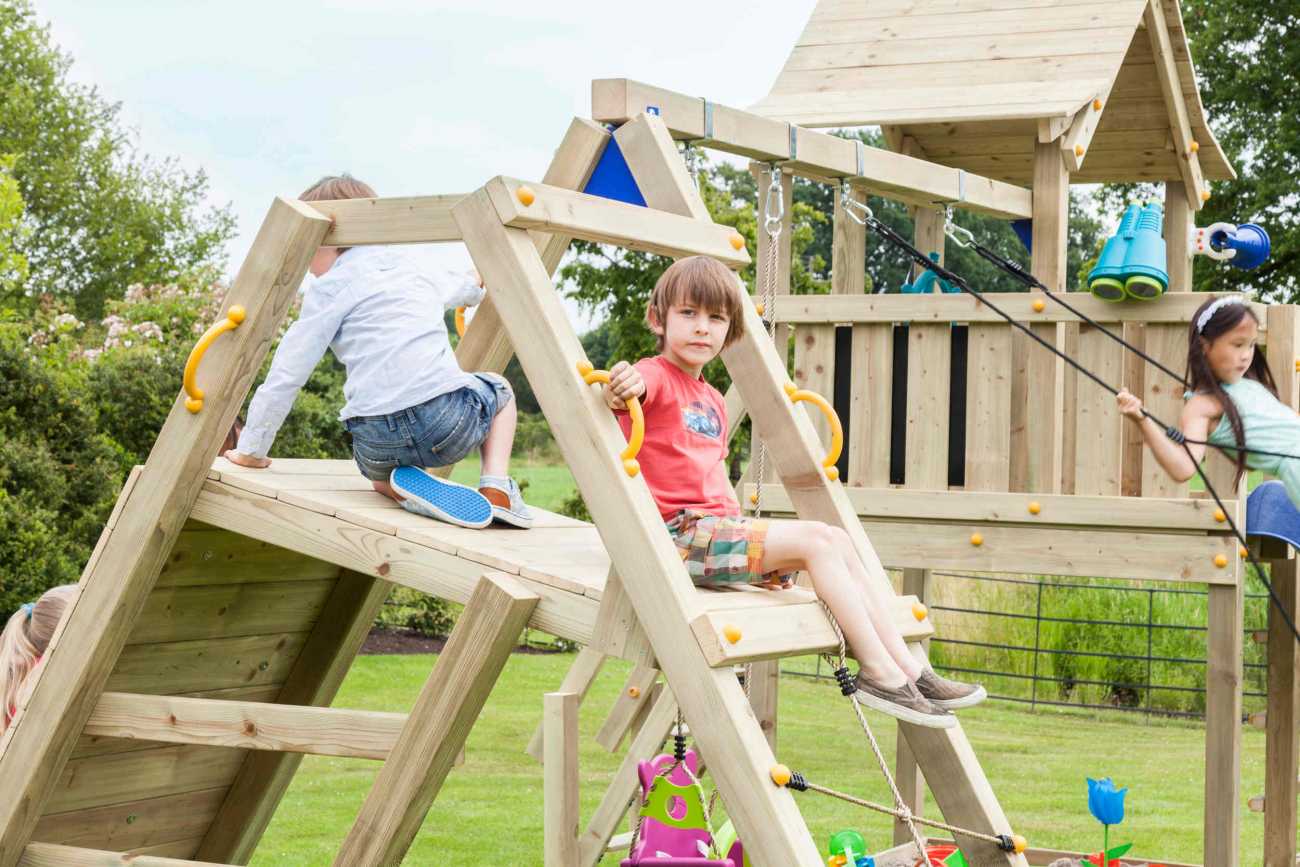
(719, 549)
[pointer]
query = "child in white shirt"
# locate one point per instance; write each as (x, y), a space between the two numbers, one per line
(408, 406)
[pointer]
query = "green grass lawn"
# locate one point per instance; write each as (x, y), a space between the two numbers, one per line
(546, 484)
(489, 811)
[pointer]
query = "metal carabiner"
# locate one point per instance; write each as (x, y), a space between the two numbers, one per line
(774, 204)
(960, 236)
(852, 205)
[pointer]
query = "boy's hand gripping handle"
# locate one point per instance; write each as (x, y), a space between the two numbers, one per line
(589, 375)
(194, 400)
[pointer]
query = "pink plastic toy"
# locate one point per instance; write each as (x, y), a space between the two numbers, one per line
(674, 831)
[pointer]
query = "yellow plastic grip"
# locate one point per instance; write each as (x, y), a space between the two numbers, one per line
(234, 316)
(589, 375)
(837, 430)
(460, 321)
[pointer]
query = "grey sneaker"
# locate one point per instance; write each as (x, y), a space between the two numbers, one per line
(949, 694)
(905, 703)
(507, 502)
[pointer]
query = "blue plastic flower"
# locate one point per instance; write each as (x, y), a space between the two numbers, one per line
(1105, 802)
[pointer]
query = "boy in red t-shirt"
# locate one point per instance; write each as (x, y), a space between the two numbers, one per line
(695, 310)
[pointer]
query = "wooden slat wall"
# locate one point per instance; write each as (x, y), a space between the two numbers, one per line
(227, 619)
(988, 408)
(870, 409)
(814, 369)
(1097, 424)
(929, 369)
(1163, 397)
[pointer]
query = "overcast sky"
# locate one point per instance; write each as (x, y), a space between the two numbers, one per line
(413, 96)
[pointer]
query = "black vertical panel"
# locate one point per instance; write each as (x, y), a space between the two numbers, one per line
(898, 409)
(842, 395)
(957, 407)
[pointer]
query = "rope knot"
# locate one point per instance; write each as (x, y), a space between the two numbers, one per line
(845, 681)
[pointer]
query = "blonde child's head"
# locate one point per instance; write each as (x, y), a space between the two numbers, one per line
(700, 282)
(333, 187)
(24, 641)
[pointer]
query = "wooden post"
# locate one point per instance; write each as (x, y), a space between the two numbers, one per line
(264, 777)
(911, 782)
(436, 729)
(1223, 722)
(631, 699)
(117, 583)
(1281, 722)
(1037, 375)
(1179, 224)
(764, 690)
(560, 779)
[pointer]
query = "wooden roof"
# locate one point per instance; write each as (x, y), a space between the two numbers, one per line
(972, 82)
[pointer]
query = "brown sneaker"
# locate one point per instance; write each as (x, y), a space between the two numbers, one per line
(950, 694)
(904, 703)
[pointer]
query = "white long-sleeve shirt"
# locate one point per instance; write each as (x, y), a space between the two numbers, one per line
(383, 317)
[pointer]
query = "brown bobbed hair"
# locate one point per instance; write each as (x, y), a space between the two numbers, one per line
(702, 282)
(1201, 378)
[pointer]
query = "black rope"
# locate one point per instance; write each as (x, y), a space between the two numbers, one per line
(1172, 432)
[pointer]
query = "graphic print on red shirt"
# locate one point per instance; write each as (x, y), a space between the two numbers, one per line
(684, 457)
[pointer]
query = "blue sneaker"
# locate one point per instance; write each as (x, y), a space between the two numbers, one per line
(426, 494)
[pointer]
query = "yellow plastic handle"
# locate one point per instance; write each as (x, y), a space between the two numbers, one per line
(234, 316)
(589, 375)
(460, 321)
(837, 430)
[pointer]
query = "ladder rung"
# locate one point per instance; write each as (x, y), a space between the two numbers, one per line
(248, 725)
(54, 855)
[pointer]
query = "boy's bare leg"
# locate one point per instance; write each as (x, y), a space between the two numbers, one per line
(878, 606)
(810, 545)
(386, 489)
(500, 440)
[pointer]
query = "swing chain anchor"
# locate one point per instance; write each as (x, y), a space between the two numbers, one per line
(774, 204)
(858, 212)
(960, 236)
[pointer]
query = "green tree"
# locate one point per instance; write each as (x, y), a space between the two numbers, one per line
(99, 215)
(1247, 53)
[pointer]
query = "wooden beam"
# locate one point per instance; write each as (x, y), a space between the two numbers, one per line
(632, 699)
(617, 631)
(560, 779)
(1180, 222)
(650, 152)
(1078, 138)
(1281, 721)
(1171, 88)
(818, 155)
(911, 782)
(775, 631)
(646, 743)
(249, 725)
(1174, 309)
(577, 680)
(1223, 653)
(53, 855)
(605, 221)
(325, 659)
(485, 634)
(33, 753)
(404, 220)
(764, 691)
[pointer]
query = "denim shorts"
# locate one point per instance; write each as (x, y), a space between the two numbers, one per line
(435, 433)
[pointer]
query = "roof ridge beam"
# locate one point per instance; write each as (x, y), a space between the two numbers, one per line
(1189, 166)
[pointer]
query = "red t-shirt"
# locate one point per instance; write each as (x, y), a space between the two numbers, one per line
(684, 456)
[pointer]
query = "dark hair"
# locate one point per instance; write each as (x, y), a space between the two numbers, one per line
(1201, 378)
(704, 282)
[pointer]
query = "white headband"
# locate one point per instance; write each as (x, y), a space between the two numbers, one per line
(1209, 312)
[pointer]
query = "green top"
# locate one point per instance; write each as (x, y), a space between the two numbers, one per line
(1270, 425)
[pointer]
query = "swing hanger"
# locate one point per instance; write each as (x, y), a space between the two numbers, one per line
(774, 204)
(960, 235)
(858, 212)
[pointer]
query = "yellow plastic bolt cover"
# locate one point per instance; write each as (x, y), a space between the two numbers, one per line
(1096, 105)
(1078, 150)
(1220, 560)
(1205, 195)
(1241, 550)
(780, 775)
(1035, 507)
(836, 861)
(753, 498)
(976, 539)
(737, 242)
(1194, 146)
(1020, 843)
(634, 692)
(759, 308)
(1219, 516)
(236, 314)
(585, 367)
(1039, 305)
(731, 632)
(832, 473)
(1297, 365)
(525, 196)
(919, 611)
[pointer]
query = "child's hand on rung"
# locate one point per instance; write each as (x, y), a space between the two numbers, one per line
(624, 382)
(1129, 405)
